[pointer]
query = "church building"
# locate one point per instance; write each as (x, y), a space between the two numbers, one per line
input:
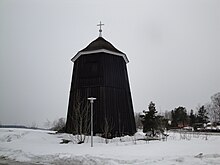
(100, 71)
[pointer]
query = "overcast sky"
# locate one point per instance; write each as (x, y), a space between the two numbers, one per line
(173, 47)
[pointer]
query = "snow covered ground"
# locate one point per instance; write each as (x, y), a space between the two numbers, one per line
(43, 147)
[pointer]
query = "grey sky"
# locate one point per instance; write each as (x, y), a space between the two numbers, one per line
(173, 47)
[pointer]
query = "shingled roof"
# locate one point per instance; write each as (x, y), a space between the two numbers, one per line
(100, 45)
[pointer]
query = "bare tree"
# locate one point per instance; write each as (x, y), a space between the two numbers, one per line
(33, 125)
(216, 105)
(211, 112)
(213, 108)
(59, 124)
(47, 124)
(81, 119)
(138, 121)
(107, 129)
(168, 115)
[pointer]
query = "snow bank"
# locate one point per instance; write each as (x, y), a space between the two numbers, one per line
(44, 147)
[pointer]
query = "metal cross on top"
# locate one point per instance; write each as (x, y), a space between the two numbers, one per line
(100, 29)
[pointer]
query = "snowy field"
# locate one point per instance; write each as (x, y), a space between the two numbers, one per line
(26, 146)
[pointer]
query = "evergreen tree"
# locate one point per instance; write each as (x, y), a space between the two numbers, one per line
(192, 118)
(202, 116)
(179, 117)
(150, 122)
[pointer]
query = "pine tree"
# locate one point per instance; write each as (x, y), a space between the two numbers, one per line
(150, 122)
(202, 116)
(179, 117)
(192, 118)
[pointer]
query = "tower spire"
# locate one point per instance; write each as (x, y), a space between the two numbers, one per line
(100, 28)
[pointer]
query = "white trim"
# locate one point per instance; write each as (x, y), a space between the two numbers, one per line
(99, 51)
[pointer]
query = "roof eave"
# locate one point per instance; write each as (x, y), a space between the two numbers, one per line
(100, 51)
